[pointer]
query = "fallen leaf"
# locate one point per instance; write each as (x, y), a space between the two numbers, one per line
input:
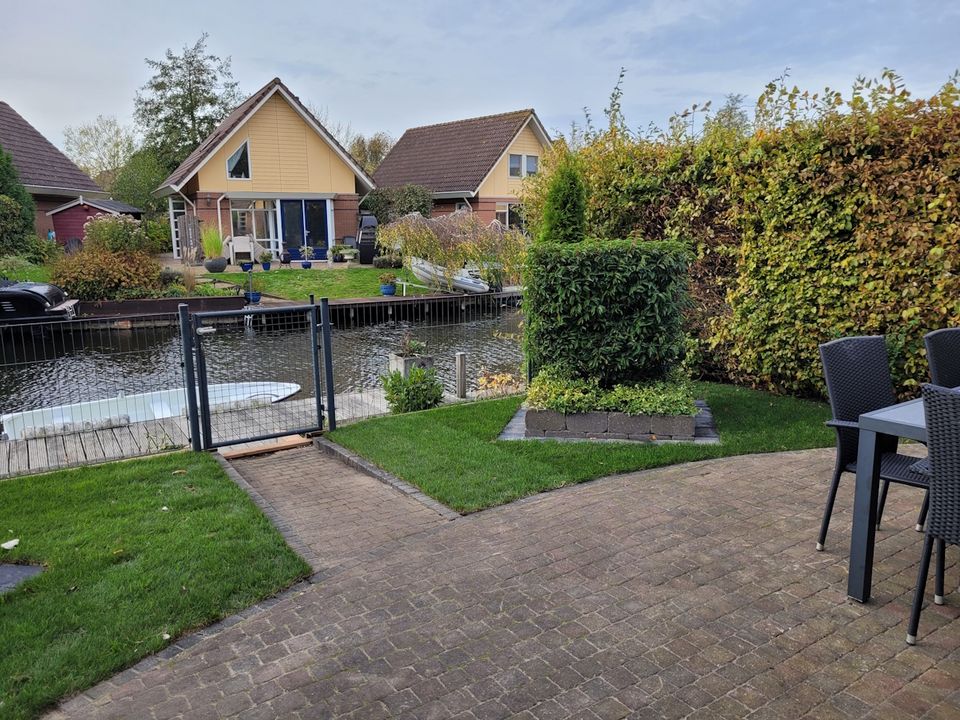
(165, 508)
(10, 544)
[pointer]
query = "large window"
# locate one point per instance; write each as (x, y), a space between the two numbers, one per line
(524, 165)
(508, 215)
(256, 218)
(238, 164)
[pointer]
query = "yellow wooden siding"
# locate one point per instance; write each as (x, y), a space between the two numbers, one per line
(499, 183)
(286, 155)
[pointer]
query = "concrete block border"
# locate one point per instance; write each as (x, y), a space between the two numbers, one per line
(600, 425)
(350, 458)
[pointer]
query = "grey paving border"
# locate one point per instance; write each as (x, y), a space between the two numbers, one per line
(350, 458)
(285, 528)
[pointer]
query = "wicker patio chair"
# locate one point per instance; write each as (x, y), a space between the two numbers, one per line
(942, 408)
(943, 356)
(857, 373)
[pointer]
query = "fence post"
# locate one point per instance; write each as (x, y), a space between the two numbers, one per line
(202, 385)
(328, 363)
(315, 342)
(461, 375)
(189, 376)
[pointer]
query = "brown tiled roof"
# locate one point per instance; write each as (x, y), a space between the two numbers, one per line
(195, 159)
(451, 156)
(37, 160)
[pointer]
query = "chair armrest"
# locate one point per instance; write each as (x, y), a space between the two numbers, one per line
(843, 424)
(922, 467)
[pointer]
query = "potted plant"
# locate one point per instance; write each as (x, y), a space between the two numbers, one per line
(246, 266)
(338, 252)
(411, 353)
(212, 245)
(307, 257)
(265, 259)
(388, 283)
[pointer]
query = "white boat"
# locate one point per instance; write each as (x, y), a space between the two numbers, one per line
(125, 409)
(465, 280)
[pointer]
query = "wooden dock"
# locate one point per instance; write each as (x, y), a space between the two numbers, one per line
(37, 455)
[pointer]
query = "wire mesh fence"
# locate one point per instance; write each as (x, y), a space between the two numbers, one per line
(259, 374)
(485, 328)
(81, 391)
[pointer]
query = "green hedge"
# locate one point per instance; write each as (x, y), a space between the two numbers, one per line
(610, 310)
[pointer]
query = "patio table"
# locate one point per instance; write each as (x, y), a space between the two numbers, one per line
(905, 420)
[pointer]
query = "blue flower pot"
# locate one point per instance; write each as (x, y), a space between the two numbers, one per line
(252, 297)
(246, 267)
(306, 264)
(388, 289)
(265, 266)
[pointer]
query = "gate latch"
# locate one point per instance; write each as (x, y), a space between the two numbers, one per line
(206, 330)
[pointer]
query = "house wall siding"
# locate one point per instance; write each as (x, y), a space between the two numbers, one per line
(499, 183)
(69, 223)
(44, 204)
(286, 155)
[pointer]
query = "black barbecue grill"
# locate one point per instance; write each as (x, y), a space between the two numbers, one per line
(24, 302)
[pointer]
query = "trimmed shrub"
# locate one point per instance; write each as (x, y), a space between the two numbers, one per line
(11, 186)
(565, 206)
(391, 203)
(552, 389)
(96, 274)
(115, 234)
(158, 235)
(420, 390)
(610, 310)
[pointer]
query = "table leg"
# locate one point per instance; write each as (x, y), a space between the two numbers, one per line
(864, 517)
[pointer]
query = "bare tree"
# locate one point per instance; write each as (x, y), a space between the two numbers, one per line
(100, 148)
(342, 131)
(371, 151)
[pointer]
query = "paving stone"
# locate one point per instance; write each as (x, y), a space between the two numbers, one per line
(690, 591)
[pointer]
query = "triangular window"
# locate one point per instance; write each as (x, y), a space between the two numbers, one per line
(238, 164)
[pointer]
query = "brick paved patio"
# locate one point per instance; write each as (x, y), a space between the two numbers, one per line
(689, 591)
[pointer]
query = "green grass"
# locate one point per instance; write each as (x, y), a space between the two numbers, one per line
(333, 284)
(452, 453)
(14, 268)
(120, 572)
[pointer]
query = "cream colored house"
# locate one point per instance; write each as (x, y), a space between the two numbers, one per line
(477, 164)
(271, 173)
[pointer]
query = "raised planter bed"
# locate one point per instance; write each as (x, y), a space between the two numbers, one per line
(610, 426)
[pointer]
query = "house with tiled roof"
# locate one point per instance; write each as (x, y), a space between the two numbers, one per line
(477, 164)
(50, 177)
(271, 173)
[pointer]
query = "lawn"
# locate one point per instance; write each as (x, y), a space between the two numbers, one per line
(452, 453)
(333, 284)
(133, 552)
(21, 271)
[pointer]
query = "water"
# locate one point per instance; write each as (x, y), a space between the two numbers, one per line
(57, 367)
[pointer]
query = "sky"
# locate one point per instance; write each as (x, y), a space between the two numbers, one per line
(402, 63)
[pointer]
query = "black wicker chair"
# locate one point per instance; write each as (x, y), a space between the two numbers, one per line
(942, 408)
(943, 356)
(857, 372)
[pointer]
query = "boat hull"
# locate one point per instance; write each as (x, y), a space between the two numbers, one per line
(141, 407)
(435, 275)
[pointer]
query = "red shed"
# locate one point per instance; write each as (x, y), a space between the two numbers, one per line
(69, 219)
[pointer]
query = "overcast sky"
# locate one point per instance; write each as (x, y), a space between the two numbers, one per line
(396, 64)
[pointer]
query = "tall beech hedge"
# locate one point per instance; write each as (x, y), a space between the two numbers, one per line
(826, 216)
(606, 309)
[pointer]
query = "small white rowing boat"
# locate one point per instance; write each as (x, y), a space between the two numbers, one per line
(125, 409)
(464, 280)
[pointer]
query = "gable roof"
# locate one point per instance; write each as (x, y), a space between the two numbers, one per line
(114, 207)
(39, 163)
(230, 124)
(456, 156)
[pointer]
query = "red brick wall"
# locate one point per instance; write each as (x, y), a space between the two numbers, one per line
(346, 211)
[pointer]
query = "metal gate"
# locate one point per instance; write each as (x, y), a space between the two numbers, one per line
(257, 373)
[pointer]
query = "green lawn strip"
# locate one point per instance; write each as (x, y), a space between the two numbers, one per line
(120, 572)
(452, 453)
(29, 273)
(333, 284)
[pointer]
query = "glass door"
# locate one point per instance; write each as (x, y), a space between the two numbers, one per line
(315, 221)
(292, 213)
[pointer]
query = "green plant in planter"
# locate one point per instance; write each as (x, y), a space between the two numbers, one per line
(411, 347)
(212, 245)
(388, 278)
(420, 390)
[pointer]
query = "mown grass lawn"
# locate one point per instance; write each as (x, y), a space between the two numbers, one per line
(26, 272)
(452, 453)
(333, 284)
(121, 572)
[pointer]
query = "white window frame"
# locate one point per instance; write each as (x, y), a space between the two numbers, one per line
(462, 205)
(246, 143)
(523, 166)
(177, 208)
(526, 167)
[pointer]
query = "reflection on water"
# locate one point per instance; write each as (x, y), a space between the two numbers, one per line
(56, 367)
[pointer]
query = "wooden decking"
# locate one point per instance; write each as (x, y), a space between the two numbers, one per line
(23, 457)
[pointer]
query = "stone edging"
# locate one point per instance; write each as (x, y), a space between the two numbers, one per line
(377, 473)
